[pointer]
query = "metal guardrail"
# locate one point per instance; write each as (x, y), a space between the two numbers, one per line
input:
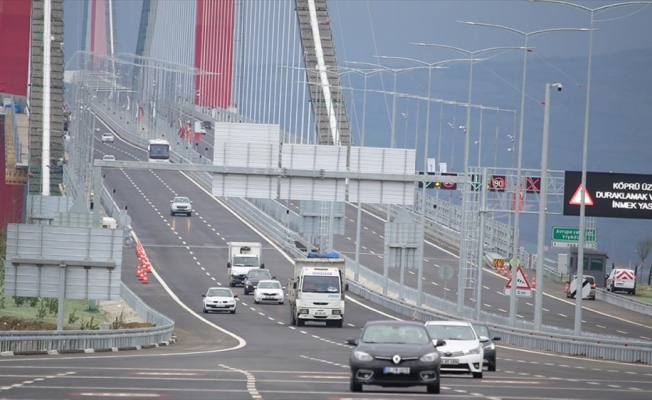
(444, 233)
(622, 301)
(35, 342)
(548, 339)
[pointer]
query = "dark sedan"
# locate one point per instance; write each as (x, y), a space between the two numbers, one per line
(395, 354)
(253, 277)
(489, 346)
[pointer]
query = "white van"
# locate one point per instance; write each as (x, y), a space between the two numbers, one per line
(109, 223)
(621, 279)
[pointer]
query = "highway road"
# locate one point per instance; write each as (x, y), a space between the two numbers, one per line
(599, 317)
(255, 354)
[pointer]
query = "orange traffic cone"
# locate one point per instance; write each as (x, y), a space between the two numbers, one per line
(148, 266)
(505, 272)
(567, 288)
(534, 282)
(144, 279)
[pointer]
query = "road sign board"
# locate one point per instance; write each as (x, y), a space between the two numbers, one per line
(446, 273)
(498, 183)
(609, 195)
(569, 234)
(429, 185)
(448, 185)
(533, 184)
(523, 288)
(586, 288)
(587, 245)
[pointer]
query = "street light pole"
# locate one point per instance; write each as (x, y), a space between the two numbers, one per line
(543, 195)
(517, 200)
(582, 239)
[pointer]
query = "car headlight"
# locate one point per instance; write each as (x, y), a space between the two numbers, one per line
(490, 346)
(430, 357)
(362, 356)
(337, 312)
(477, 350)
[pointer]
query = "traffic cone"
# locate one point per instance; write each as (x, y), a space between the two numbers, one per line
(534, 282)
(144, 280)
(567, 288)
(148, 267)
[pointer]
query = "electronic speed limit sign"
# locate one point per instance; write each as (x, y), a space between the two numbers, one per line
(497, 183)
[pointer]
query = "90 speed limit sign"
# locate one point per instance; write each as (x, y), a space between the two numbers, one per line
(497, 183)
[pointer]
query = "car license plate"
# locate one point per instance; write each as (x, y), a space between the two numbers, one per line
(270, 298)
(449, 362)
(320, 313)
(396, 370)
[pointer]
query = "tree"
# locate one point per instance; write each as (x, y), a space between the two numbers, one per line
(643, 250)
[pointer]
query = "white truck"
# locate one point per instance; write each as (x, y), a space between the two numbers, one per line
(243, 256)
(317, 291)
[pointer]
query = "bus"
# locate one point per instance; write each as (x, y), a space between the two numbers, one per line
(158, 150)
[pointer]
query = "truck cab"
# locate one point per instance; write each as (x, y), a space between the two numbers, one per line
(243, 257)
(317, 292)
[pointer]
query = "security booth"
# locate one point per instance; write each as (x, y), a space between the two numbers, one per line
(595, 263)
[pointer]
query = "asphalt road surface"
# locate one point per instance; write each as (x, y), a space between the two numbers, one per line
(255, 354)
(598, 317)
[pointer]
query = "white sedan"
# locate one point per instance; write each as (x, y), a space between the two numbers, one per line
(269, 290)
(463, 350)
(219, 299)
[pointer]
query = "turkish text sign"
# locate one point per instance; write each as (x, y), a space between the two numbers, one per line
(611, 195)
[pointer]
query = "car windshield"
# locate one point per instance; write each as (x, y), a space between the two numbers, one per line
(451, 332)
(181, 200)
(219, 292)
(395, 334)
(259, 274)
(245, 261)
(107, 134)
(481, 330)
(321, 284)
(269, 285)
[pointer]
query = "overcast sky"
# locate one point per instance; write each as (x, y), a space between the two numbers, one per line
(365, 27)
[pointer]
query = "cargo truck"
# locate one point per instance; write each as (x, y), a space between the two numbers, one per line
(243, 256)
(317, 290)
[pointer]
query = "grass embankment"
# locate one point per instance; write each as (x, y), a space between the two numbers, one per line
(643, 293)
(29, 313)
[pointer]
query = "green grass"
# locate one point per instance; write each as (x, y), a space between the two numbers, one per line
(29, 313)
(644, 293)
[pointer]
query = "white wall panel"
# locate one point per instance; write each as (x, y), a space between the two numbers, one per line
(313, 157)
(313, 189)
(380, 160)
(377, 192)
(249, 186)
(246, 145)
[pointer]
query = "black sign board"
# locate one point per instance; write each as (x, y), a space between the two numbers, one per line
(497, 183)
(447, 186)
(609, 195)
(429, 185)
(533, 184)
